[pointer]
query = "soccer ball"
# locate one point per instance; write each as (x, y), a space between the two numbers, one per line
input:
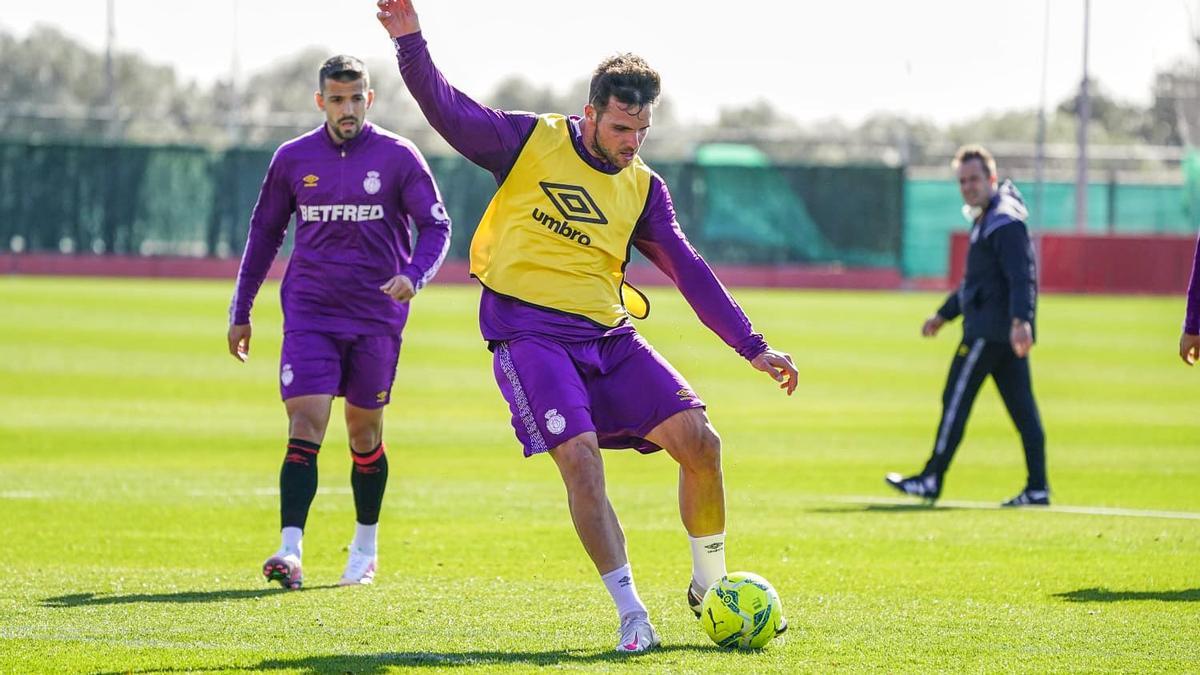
(741, 611)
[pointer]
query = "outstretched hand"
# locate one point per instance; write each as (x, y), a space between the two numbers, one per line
(1189, 348)
(399, 17)
(779, 366)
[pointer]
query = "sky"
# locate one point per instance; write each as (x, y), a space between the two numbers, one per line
(941, 60)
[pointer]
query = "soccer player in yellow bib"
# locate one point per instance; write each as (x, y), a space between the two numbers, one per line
(550, 253)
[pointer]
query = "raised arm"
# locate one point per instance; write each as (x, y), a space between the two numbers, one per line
(268, 226)
(660, 239)
(488, 137)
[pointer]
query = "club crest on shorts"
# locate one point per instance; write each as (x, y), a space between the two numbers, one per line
(286, 376)
(555, 423)
(372, 183)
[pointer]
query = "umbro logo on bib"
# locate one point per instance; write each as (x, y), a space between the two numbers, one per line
(574, 203)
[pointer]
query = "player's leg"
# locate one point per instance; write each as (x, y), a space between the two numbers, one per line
(639, 400)
(689, 437)
(1015, 383)
(309, 373)
(369, 371)
(582, 470)
(551, 414)
(968, 371)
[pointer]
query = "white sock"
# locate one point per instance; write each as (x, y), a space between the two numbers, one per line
(708, 559)
(364, 537)
(290, 540)
(619, 583)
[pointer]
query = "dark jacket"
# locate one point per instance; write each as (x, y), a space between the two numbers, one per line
(1000, 283)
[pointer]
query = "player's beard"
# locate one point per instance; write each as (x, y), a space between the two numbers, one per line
(347, 135)
(599, 149)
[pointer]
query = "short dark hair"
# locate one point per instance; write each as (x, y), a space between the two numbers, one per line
(969, 152)
(627, 77)
(343, 69)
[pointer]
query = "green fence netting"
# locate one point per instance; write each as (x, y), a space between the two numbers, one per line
(147, 200)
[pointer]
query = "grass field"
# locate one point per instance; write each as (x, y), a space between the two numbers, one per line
(138, 465)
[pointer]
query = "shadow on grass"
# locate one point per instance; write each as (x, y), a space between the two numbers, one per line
(368, 664)
(881, 508)
(1105, 595)
(90, 599)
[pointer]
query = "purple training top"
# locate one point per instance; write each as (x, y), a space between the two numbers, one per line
(1191, 320)
(354, 204)
(493, 139)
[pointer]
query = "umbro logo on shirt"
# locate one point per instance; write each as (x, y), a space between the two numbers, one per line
(311, 180)
(574, 203)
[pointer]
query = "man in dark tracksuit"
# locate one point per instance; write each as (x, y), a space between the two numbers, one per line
(997, 300)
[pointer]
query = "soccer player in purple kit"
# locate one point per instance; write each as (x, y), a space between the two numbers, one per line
(1189, 339)
(550, 252)
(355, 190)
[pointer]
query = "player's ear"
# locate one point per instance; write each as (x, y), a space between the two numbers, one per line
(370, 98)
(320, 100)
(589, 112)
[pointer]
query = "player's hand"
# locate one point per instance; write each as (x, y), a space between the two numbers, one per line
(1021, 338)
(932, 325)
(400, 288)
(399, 17)
(239, 341)
(1189, 348)
(779, 366)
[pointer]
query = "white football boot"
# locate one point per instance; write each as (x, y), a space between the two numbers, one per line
(284, 567)
(360, 568)
(637, 634)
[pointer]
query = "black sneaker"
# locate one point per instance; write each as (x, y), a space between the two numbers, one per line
(696, 600)
(927, 487)
(1030, 498)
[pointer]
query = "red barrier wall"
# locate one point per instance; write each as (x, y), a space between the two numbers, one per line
(453, 271)
(1102, 264)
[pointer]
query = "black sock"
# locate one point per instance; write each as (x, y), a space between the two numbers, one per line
(368, 478)
(297, 482)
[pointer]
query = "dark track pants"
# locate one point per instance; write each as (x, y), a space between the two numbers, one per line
(973, 362)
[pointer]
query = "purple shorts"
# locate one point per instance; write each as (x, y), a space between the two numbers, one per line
(359, 367)
(616, 386)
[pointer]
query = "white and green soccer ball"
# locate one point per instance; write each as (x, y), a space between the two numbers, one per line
(741, 611)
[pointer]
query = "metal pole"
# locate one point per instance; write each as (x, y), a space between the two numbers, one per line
(1039, 162)
(1085, 112)
(110, 79)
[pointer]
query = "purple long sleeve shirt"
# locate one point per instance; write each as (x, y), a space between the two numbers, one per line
(1191, 320)
(354, 205)
(493, 139)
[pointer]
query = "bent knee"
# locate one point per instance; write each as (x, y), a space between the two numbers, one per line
(701, 450)
(579, 461)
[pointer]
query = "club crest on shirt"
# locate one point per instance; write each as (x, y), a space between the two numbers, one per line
(555, 423)
(311, 180)
(372, 183)
(438, 211)
(286, 376)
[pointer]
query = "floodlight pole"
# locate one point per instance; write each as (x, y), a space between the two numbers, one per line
(110, 80)
(1085, 112)
(1039, 162)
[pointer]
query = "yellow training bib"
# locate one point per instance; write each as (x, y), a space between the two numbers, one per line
(557, 233)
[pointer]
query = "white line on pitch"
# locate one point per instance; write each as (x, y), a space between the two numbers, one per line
(262, 492)
(992, 506)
